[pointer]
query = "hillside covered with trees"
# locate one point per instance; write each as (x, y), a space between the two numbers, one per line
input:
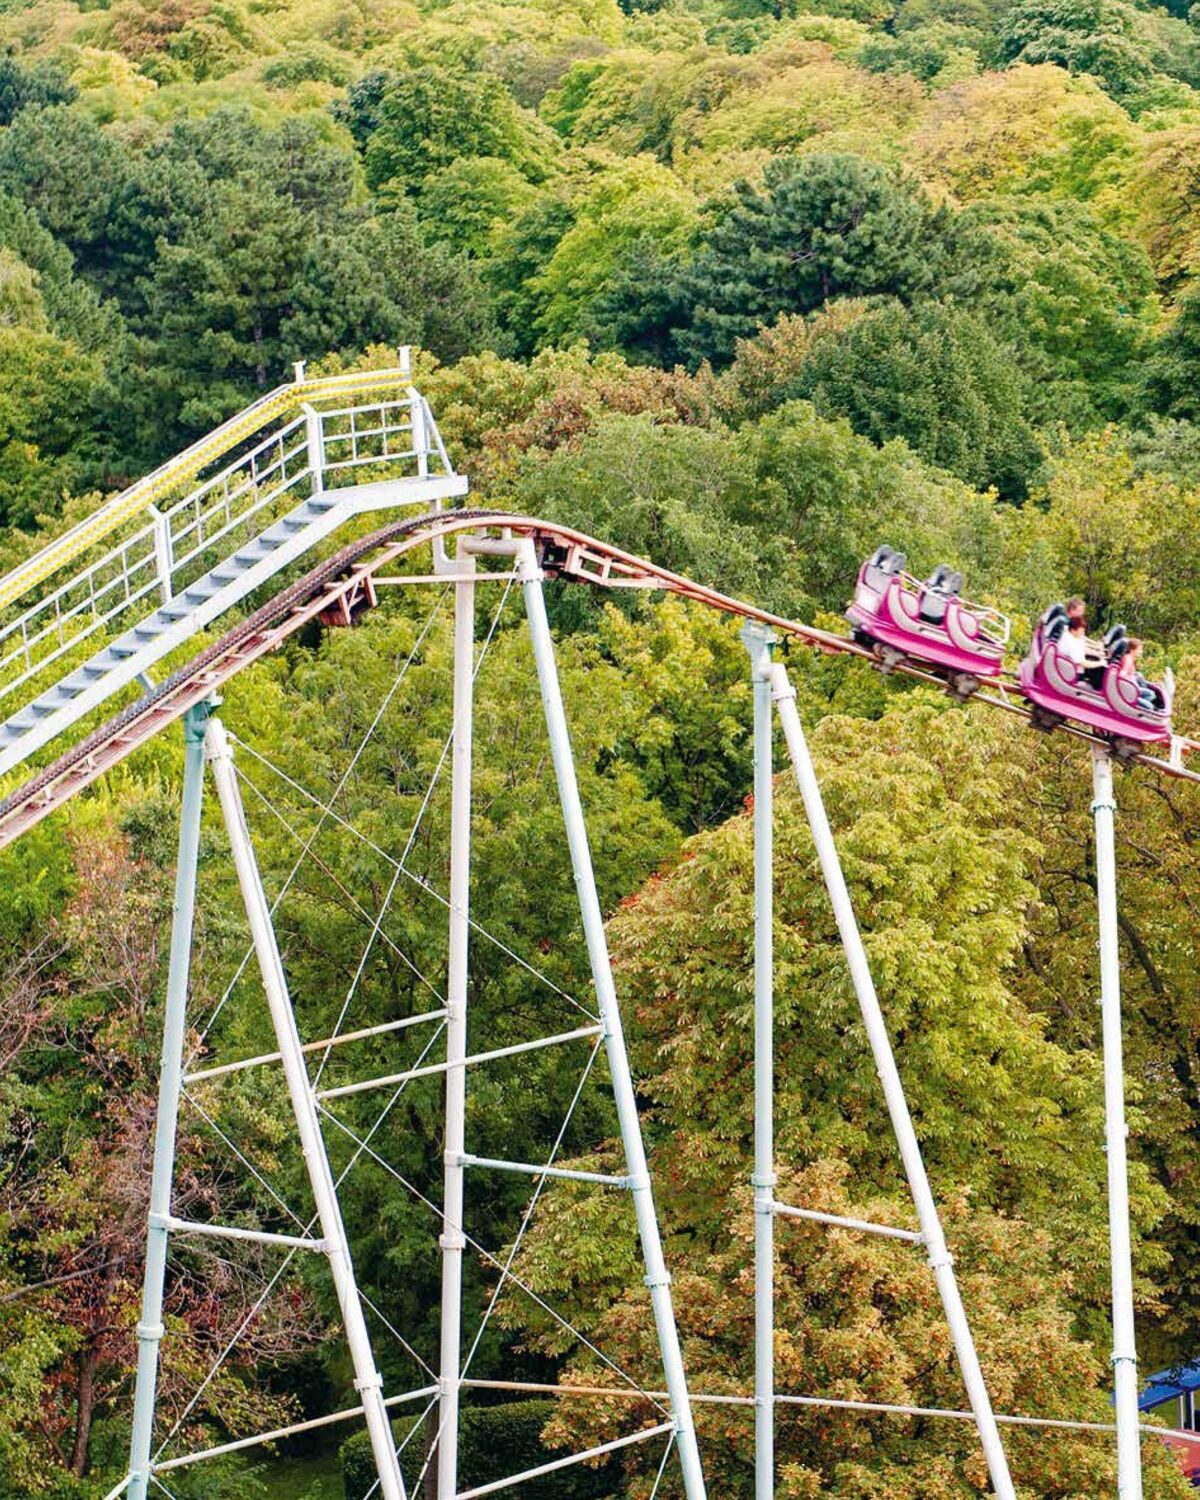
(748, 286)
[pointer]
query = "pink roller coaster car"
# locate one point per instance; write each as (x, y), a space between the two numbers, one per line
(902, 619)
(1130, 710)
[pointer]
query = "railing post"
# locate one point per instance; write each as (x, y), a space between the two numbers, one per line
(657, 1277)
(420, 430)
(1124, 1355)
(315, 430)
(164, 556)
(170, 1085)
(452, 1239)
(758, 641)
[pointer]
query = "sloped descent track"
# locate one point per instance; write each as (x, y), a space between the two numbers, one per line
(341, 580)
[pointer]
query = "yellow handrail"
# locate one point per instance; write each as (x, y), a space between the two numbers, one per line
(140, 496)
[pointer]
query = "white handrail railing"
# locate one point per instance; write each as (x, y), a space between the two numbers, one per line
(164, 480)
(178, 544)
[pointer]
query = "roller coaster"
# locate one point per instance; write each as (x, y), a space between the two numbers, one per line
(89, 619)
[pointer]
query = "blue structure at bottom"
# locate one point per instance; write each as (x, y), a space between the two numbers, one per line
(1171, 1397)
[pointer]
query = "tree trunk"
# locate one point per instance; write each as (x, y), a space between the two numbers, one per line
(89, 1358)
(429, 1489)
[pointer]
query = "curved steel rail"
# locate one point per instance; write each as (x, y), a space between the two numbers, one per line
(342, 585)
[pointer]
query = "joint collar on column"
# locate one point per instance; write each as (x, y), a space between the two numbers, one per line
(758, 640)
(528, 568)
(216, 741)
(1102, 805)
(195, 721)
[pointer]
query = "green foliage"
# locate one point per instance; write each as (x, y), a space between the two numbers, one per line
(45, 386)
(819, 227)
(45, 155)
(468, 202)
(429, 117)
(1074, 301)
(622, 209)
(495, 1442)
(929, 248)
(936, 839)
(38, 86)
(1171, 370)
(1115, 42)
(936, 377)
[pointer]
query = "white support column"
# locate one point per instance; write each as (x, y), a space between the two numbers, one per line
(758, 641)
(881, 1047)
(366, 1377)
(657, 1278)
(452, 1238)
(1124, 1355)
(170, 1082)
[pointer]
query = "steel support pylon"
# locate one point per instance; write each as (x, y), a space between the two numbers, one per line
(759, 640)
(453, 1239)
(1124, 1355)
(784, 698)
(657, 1276)
(367, 1380)
(170, 1087)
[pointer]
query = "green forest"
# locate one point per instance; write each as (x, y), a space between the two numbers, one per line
(748, 287)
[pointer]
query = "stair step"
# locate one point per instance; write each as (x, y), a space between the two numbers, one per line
(224, 575)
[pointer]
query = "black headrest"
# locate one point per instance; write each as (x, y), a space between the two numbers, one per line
(1115, 634)
(887, 560)
(944, 580)
(1055, 612)
(1054, 626)
(1115, 650)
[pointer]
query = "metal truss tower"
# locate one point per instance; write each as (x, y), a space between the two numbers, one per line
(773, 691)
(208, 743)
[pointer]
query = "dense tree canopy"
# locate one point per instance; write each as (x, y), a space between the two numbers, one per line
(751, 286)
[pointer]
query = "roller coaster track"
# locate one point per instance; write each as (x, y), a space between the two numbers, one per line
(342, 586)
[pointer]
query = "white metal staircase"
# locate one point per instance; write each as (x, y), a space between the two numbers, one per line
(174, 570)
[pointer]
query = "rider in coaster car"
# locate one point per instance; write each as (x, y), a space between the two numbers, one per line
(1149, 696)
(1066, 626)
